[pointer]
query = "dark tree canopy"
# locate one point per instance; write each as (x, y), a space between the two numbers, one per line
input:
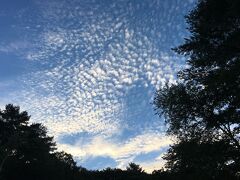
(204, 106)
(27, 152)
(201, 160)
(134, 168)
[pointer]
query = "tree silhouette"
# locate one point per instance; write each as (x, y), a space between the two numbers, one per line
(23, 146)
(134, 168)
(27, 152)
(204, 106)
(10, 136)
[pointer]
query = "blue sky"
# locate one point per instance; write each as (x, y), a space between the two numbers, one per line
(88, 70)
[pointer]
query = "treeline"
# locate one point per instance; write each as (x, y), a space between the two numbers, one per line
(202, 110)
(28, 153)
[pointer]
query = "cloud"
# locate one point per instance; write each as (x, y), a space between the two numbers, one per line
(150, 166)
(90, 75)
(15, 47)
(88, 56)
(123, 153)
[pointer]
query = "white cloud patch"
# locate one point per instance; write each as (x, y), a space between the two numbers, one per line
(122, 153)
(150, 166)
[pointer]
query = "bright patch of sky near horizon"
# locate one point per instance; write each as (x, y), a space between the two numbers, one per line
(88, 70)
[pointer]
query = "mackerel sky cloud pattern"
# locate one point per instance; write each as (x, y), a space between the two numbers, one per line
(88, 70)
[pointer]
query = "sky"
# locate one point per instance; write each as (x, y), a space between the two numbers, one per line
(88, 70)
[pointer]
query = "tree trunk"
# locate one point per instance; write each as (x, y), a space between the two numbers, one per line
(2, 163)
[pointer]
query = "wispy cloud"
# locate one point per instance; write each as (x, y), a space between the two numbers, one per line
(123, 153)
(15, 47)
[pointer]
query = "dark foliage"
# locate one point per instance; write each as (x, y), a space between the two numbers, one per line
(27, 152)
(203, 108)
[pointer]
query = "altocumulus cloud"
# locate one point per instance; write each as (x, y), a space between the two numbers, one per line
(88, 56)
